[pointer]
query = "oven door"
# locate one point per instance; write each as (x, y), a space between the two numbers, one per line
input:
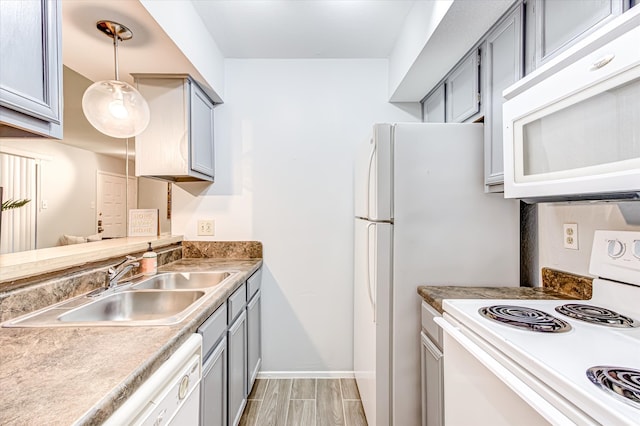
(484, 386)
(575, 134)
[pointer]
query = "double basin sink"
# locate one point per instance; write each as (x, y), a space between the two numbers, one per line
(162, 299)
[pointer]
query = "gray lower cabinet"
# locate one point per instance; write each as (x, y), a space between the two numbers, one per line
(213, 386)
(254, 339)
(433, 107)
(554, 25)
(431, 368)
(31, 75)
(463, 89)
(237, 345)
(232, 349)
(213, 410)
(432, 383)
(502, 66)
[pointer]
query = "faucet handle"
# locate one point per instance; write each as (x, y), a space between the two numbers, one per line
(114, 268)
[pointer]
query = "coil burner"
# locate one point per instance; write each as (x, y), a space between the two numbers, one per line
(623, 383)
(525, 318)
(597, 315)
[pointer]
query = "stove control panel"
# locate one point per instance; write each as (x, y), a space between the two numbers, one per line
(616, 255)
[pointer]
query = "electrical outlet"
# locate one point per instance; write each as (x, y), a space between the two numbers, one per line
(570, 236)
(206, 227)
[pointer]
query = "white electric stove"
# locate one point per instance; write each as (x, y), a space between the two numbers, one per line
(532, 362)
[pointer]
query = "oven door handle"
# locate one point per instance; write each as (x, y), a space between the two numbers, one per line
(548, 411)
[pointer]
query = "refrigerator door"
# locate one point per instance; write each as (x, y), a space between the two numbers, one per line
(371, 352)
(447, 231)
(372, 180)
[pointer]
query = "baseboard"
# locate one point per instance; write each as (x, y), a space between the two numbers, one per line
(305, 375)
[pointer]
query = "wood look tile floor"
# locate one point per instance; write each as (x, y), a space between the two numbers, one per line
(304, 402)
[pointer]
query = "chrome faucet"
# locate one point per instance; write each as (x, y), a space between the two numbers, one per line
(117, 271)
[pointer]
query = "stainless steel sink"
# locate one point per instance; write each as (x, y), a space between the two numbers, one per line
(134, 306)
(162, 299)
(183, 280)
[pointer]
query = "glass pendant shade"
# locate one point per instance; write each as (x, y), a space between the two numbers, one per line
(115, 108)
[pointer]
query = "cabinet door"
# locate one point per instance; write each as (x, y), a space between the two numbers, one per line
(462, 90)
(214, 387)
(202, 157)
(432, 383)
(31, 71)
(557, 24)
(503, 67)
(434, 106)
(254, 339)
(237, 345)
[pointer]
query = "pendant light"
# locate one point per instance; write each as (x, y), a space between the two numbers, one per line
(114, 107)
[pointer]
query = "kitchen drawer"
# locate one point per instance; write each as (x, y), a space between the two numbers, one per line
(253, 283)
(236, 302)
(213, 329)
(428, 324)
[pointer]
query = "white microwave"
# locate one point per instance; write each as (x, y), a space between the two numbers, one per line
(572, 128)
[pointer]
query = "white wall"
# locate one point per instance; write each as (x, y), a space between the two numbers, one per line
(182, 23)
(285, 143)
(589, 218)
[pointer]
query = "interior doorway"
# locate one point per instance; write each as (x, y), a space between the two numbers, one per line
(113, 203)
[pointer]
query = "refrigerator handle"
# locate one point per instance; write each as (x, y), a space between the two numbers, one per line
(373, 152)
(371, 295)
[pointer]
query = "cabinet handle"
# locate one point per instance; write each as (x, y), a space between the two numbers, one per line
(371, 157)
(371, 296)
(602, 62)
(184, 387)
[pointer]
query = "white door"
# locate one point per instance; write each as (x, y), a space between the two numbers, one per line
(111, 201)
(371, 318)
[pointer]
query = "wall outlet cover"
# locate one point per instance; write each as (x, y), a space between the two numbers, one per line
(206, 228)
(570, 236)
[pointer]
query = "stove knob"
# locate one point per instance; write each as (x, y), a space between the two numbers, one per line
(636, 248)
(615, 249)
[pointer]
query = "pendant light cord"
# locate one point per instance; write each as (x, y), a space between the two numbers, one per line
(115, 54)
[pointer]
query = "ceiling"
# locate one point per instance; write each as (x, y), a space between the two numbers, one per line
(241, 28)
(90, 52)
(304, 29)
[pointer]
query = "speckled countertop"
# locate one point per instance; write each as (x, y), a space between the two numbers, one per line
(80, 375)
(436, 294)
(555, 285)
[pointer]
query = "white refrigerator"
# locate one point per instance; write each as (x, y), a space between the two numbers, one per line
(421, 218)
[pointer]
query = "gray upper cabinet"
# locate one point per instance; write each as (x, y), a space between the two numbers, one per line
(178, 144)
(502, 66)
(434, 107)
(463, 90)
(31, 71)
(202, 156)
(554, 25)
